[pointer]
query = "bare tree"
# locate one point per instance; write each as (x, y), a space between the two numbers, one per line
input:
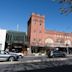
(66, 6)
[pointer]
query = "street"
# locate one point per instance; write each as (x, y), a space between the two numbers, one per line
(30, 66)
(35, 64)
(30, 59)
(64, 68)
(40, 58)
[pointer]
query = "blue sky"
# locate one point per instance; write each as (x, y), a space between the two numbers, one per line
(13, 12)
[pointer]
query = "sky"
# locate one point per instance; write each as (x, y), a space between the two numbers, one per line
(13, 12)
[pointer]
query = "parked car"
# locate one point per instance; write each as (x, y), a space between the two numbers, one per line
(56, 54)
(5, 56)
(17, 53)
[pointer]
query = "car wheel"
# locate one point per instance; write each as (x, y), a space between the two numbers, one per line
(63, 55)
(11, 59)
(20, 56)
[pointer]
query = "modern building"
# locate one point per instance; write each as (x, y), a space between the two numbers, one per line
(16, 40)
(41, 39)
(13, 41)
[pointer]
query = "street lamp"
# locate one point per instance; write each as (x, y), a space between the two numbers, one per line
(67, 49)
(36, 48)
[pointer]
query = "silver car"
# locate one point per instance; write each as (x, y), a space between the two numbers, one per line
(19, 54)
(6, 56)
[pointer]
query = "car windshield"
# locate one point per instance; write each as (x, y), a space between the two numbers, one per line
(2, 52)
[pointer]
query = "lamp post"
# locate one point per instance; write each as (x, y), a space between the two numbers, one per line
(67, 49)
(36, 49)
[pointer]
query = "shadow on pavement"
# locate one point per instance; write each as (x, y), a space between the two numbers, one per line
(64, 68)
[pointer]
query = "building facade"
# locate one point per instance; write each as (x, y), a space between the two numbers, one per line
(16, 41)
(41, 38)
(2, 39)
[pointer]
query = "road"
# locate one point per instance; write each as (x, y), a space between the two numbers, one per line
(40, 58)
(65, 68)
(27, 64)
(31, 59)
(30, 66)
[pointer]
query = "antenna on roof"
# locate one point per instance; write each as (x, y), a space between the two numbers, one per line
(17, 27)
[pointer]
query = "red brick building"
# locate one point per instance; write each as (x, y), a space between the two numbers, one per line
(40, 38)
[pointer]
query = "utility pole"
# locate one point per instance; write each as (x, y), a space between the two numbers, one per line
(67, 49)
(17, 27)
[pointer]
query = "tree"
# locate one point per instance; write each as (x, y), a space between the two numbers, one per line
(66, 6)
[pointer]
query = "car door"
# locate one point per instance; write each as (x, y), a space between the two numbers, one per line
(3, 56)
(56, 54)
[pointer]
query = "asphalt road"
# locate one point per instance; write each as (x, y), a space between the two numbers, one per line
(34, 67)
(41, 58)
(52, 65)
(33, 58)
(64, 68)
(30, 66)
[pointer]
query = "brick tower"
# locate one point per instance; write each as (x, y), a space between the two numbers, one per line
(36, 29)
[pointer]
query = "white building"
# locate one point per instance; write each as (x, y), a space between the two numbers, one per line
(2, 39)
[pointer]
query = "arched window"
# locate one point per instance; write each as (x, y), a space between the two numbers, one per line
(49, 41)
(68, 42)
